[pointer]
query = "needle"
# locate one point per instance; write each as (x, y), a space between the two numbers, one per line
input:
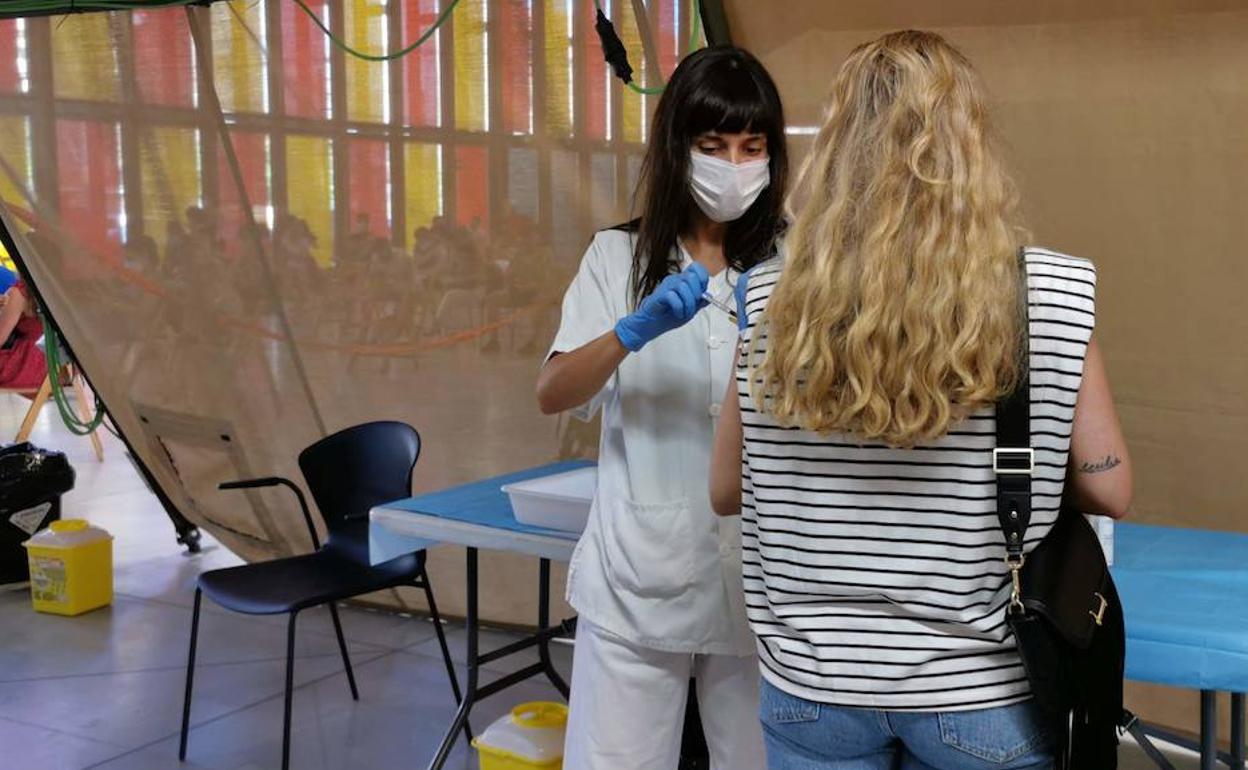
(724, 306)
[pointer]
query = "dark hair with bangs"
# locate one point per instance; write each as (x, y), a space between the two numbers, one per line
(726, 90)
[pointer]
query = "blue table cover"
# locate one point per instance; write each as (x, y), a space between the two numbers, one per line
(480, 503)
(1185, 598)
(1184, 591)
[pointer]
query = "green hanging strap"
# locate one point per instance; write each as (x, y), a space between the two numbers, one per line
(442, 17)
(73, 422)
(694, 33)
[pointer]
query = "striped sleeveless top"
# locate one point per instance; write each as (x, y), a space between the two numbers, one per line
(874, 576)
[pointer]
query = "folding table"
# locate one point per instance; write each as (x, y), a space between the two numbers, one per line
(1185, 599)
(476, 516)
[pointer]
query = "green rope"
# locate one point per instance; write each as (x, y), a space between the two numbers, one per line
(652, 90)
(73, 422)
(442, 17)
(16, 8)
(695, 32)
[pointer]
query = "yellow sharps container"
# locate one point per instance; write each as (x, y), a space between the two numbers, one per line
(71, 568)
(529, 738)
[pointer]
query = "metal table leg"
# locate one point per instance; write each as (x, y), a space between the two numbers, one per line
(1143, 735)
(470, 691)
(1208, 730)
(543, 623)
(1237, 731)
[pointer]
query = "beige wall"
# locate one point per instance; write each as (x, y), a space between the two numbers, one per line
(1126, 123)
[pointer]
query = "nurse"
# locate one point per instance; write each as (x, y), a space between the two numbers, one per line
(656, 578)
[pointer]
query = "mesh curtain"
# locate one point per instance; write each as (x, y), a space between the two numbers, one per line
(251, 239)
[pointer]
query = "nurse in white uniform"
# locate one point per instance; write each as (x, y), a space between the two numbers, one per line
(656, 578)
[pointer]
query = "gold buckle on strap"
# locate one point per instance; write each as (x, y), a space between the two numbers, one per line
(1099, 614)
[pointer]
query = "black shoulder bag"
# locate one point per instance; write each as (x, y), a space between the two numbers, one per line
(1064, 610)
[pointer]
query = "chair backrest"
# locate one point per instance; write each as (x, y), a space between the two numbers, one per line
(357, 468)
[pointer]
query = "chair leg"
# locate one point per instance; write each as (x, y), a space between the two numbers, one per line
(32, 414)
(342, 645)
(190, 677)
(437, 628)
(84, 411)
(446, 651)
(290, 688)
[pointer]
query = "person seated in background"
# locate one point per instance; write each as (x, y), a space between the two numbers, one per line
(22, 363)
(142, 255)
(293, 242)
(429, 253)
(358, 244)
(464, 263)
(201, 226)
(422, 248)
(7, 279)
(522, 277)
(176, 247)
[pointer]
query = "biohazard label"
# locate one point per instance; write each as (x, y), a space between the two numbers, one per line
(47, 579)
(29, 520)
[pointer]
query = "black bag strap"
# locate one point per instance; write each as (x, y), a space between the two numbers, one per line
(1013, 460)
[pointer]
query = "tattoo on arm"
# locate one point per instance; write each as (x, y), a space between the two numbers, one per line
(1100, 466)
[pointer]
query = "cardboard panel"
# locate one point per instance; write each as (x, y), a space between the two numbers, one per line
(1124, 122)
(1124, 126)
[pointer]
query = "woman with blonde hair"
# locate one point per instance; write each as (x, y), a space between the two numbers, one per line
(860, 449)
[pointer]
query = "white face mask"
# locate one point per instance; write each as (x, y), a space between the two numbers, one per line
(725, 190)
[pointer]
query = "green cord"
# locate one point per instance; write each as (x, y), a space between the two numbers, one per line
(17, 8)
(695, 30)
(442, 17)
(72, 421)
(24, 7)
(693, 42)
(644, 90)
(697, 26)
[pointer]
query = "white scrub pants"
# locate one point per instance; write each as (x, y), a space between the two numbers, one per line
(628, 706)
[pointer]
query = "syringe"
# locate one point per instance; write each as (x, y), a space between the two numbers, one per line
(724, 306)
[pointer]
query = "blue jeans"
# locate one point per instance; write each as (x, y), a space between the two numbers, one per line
(803, 735)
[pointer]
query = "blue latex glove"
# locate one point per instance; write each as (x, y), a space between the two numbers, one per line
(671, 305)
(739, 292)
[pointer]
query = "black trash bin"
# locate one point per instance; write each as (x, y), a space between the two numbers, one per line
(32, 481)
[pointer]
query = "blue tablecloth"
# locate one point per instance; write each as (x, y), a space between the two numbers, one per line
(1185, 597)
(484, 502)
(1184, 591)
(479, 503)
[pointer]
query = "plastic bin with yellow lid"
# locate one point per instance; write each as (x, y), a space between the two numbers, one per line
(71, 568)
(530, 736)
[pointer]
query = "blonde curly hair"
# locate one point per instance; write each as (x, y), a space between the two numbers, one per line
(892, 317)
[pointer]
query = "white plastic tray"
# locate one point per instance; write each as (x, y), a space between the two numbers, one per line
(560, 501)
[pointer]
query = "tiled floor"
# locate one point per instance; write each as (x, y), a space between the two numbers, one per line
(105, 690)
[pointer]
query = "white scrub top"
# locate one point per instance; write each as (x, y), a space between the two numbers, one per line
(655, 565)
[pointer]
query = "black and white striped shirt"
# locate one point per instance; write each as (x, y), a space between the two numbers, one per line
(874, 576)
